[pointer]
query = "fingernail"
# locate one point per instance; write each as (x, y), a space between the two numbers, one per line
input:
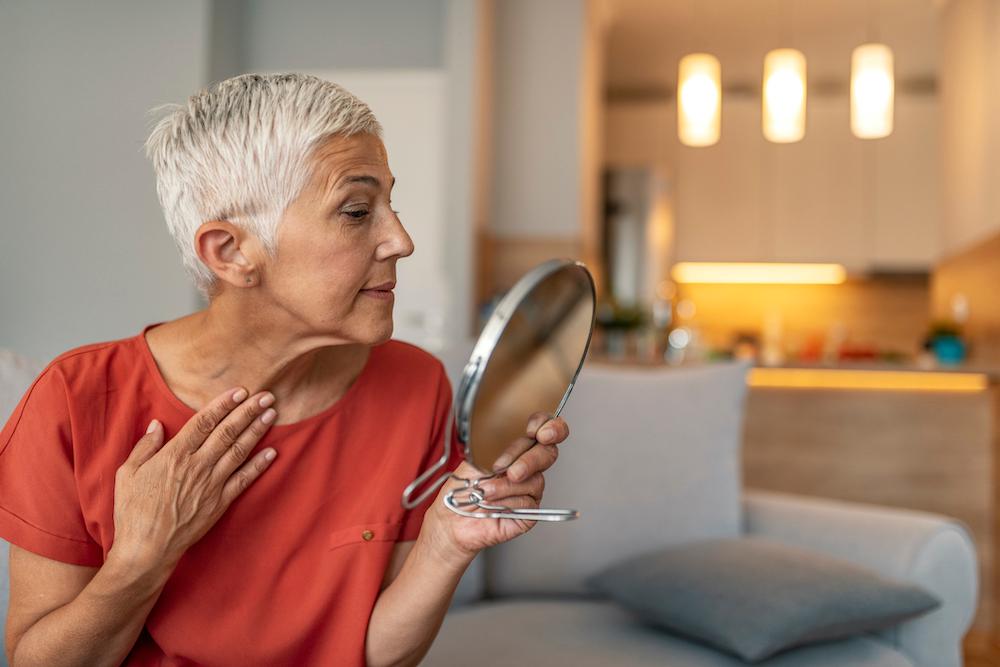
(266, 400)
(268, 416)
(240, 395)
(151, 427)
(515, 471)
(546, 433)
(502, 461)
(270, 454)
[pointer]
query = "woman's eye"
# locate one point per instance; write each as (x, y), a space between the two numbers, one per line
(357, 214)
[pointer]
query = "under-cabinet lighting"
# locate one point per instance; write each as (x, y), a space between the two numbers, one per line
(759, 273)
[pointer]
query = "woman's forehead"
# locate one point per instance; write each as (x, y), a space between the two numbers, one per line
(358, 159)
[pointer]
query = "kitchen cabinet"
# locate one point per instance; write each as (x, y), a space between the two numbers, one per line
(818, 191)
(907, 187)
(719, 191)
(867, 204)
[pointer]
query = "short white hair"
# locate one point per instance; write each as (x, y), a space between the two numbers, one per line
(239, 151)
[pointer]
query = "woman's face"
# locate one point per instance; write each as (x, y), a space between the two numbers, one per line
(338, 238)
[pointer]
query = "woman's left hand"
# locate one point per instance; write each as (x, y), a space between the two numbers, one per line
(521, 486)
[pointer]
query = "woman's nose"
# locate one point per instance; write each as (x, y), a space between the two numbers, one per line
(399, 242)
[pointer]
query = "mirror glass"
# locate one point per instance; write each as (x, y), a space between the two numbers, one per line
(526, 361)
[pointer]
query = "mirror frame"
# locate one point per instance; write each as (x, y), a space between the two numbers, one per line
(468, 388)
(472, 375)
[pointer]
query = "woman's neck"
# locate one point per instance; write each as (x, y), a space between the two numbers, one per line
(205, 353)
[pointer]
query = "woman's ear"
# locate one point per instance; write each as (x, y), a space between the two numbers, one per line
(228, 251)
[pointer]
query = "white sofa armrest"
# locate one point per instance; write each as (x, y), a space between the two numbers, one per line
(929, 550)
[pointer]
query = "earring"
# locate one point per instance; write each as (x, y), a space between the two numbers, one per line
(249, 280)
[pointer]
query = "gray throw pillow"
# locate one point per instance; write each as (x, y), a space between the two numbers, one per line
(755, 597)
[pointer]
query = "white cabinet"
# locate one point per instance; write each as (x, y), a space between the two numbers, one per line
(818, 191)
(718, 203)
(868, 204)
(908, 231)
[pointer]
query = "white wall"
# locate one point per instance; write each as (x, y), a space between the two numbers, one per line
(537, 183)
(311, 34)
(84, 252)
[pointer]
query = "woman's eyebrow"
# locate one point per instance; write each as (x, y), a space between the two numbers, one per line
(367, 180)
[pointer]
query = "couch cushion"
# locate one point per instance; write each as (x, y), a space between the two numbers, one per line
(755, 597)
(652, 460)
(596, 634)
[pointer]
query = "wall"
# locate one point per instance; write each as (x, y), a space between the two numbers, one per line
(310, 34)
(973, 274)
(537, 118)
(970, 121)
(888, 315)
(970, 170)
(84, 252)
(546, 138)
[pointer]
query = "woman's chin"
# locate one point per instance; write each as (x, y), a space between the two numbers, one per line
(381, 334)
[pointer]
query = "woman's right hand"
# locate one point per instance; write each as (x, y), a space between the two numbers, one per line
(167, 496)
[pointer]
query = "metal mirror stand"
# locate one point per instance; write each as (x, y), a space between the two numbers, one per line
(475, 496)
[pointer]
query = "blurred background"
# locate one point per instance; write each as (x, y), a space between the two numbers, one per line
(742, 179)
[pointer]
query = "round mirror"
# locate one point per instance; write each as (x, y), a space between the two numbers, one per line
(526, 361)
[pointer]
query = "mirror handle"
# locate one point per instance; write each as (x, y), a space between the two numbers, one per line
(409, 503)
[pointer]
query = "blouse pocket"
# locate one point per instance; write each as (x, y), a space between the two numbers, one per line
(362, 533)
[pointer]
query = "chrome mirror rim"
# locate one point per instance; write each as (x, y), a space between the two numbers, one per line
(472, 374)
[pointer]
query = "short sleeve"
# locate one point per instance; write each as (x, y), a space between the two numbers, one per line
(39, 504)
(413, 519)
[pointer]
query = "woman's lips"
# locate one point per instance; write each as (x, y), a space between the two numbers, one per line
(383, 294)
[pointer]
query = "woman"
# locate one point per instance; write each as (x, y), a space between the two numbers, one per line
(257, 520)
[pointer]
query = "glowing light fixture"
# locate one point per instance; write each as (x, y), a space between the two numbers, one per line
(819, 378)
(872, 91)
(699, 99)
(784, 96)
(758, 273)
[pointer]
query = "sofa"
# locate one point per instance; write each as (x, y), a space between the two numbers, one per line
(653, 461)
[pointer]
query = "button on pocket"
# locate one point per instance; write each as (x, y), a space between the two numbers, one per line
(364, 533)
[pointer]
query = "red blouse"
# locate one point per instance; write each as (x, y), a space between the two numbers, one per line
(286, 576)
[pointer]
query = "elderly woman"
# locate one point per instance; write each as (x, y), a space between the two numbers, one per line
(224, 488)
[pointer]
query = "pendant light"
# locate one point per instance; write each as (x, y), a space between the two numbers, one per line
(784, 96)
(872, 91)
(699, 99)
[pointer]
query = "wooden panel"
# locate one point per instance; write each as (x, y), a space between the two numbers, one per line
(931, 452)
(512, 257)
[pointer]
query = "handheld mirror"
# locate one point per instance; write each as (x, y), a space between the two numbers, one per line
(526, 360)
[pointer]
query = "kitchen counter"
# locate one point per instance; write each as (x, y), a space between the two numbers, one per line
(852, 374)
